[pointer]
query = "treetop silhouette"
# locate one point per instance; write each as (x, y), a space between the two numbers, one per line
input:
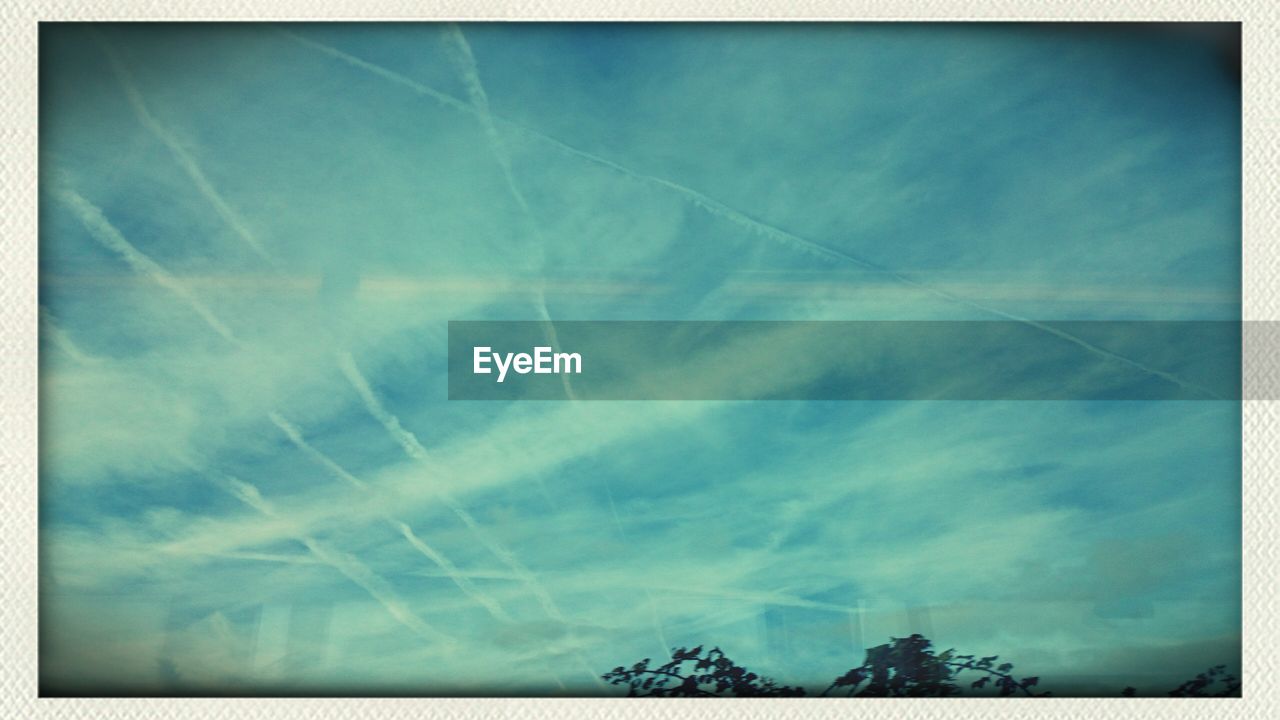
(903, 667)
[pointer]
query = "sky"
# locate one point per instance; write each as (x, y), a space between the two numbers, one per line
(253, 237)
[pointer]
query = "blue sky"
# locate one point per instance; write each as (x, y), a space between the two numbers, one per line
(253, 237)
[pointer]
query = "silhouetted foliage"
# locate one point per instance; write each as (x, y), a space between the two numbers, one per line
(690, 673)
(1202, 685)
(908, 667)
(903, 667)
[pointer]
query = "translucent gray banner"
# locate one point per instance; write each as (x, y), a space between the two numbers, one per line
(853, 360)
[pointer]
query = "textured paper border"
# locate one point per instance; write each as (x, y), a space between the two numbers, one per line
(18, 361)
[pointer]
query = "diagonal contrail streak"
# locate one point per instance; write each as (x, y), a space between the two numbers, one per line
(101, 229)
(465, 62)
(292, 432)
(180, 154)
(726, 212)
(415, 451)
(355, 571)
(106, 234)
(462, 581)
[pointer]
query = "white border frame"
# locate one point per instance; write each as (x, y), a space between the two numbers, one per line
(18, 362)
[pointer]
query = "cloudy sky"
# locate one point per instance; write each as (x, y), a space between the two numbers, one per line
(252, 238)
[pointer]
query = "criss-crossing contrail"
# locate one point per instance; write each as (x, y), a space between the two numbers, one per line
(465, 62)
(459, 579)
(754, 226)
(440, 560)
(180, 154)
(355, 571)
(109, 237)
(415, 451)
(462, 581)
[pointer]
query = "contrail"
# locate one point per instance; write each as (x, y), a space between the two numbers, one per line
(748, 597)
(62, 340)
(264, 557)
(353, 569)
(106, 234)
(414, 449)
(180, 154)
(723, 211)
(407, 441)
(380, 71)
(465, 62)
(295, 436)
(109, 237)
(102, 230)
(345, 564)
(462, 581)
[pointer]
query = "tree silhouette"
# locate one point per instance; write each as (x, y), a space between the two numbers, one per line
(1202, 685)
(908, 667)
(690, 673)
(903, 667)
